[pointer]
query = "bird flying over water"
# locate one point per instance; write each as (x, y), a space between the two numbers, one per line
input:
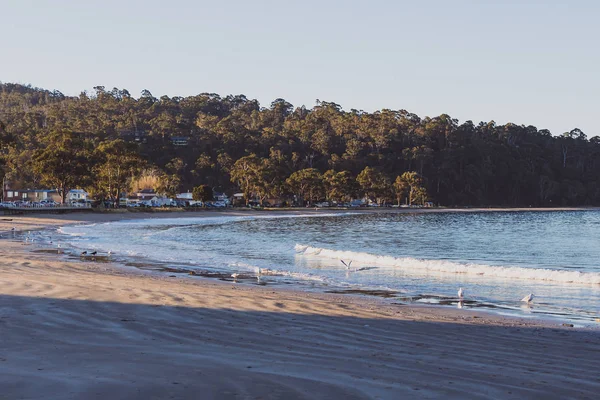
(461, 293)
(528, 298)
(347, 265)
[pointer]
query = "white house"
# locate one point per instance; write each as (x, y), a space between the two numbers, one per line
(185, 196)
(77, 196)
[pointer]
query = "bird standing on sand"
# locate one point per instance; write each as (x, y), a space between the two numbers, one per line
(461, 293)
(528, 298)
(347, 265)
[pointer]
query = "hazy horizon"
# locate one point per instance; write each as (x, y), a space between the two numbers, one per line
(522, 62)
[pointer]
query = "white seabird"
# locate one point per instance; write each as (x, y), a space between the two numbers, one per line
(528, 298)
(461, 293)
(347, 265)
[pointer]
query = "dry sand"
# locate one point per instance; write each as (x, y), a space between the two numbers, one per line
(80, 330)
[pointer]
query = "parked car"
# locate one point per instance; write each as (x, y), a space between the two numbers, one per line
(48, 203)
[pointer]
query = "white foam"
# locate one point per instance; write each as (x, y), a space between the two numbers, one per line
(451, 267)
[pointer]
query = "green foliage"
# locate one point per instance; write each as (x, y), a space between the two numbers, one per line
(116, 162)
(460, 164)
(253, 176)
(202, 193)
(400, 187)
(339, 186)
(307, 185)
(63, 163)
(413, 182)
(374, 184)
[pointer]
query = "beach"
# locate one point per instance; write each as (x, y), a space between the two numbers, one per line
(73, 330)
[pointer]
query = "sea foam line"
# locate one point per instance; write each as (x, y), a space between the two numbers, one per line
(451, 267)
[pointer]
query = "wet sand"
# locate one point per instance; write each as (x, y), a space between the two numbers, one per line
(93, 330)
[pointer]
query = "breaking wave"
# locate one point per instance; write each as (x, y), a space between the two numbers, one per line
(450, 267)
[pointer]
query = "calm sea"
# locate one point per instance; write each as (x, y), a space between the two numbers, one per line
(496, 257)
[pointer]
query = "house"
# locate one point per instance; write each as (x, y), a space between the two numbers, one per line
(145, 194)
(185, 196)
(31, 195)
(221, 197)
(179, 140)
(77, 196)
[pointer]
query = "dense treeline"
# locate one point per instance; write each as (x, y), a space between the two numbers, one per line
(324, 152)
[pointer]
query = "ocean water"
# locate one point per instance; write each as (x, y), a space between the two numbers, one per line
(496, 257)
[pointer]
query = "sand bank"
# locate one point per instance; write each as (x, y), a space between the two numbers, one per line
(73, 330)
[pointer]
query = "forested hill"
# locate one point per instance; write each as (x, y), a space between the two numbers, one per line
(198, 139)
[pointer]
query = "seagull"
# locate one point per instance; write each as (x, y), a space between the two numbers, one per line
(528, 298)
(94, 253)
(13, 229)
(347, 265)
(83, 253)
(461, 293)
(109, 253)
(235, 276)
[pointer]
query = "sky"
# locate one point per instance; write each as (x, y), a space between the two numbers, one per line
(526, 62)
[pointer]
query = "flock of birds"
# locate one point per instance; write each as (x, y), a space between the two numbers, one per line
(461, 292)
(29, 238)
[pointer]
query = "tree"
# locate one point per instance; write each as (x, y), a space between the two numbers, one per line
(202, 193)
(374, 184)
(339, 186)
(253, 176)
(117, 162)
(400, 187)
(416, 190)
(466, 164)
(306, 184)
(63, 164)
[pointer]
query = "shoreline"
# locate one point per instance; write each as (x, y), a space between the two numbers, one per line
(96, 330)
(143, 265)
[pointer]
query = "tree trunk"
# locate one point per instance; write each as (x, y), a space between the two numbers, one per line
(63, 195)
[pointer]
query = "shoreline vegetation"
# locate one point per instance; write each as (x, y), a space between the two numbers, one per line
(94, 330)
(112, 144)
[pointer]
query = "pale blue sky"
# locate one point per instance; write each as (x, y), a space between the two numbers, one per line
(526, 62)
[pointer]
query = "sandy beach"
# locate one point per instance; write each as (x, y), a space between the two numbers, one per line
(83, 330)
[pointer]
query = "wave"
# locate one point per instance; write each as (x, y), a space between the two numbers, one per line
(450, 267)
